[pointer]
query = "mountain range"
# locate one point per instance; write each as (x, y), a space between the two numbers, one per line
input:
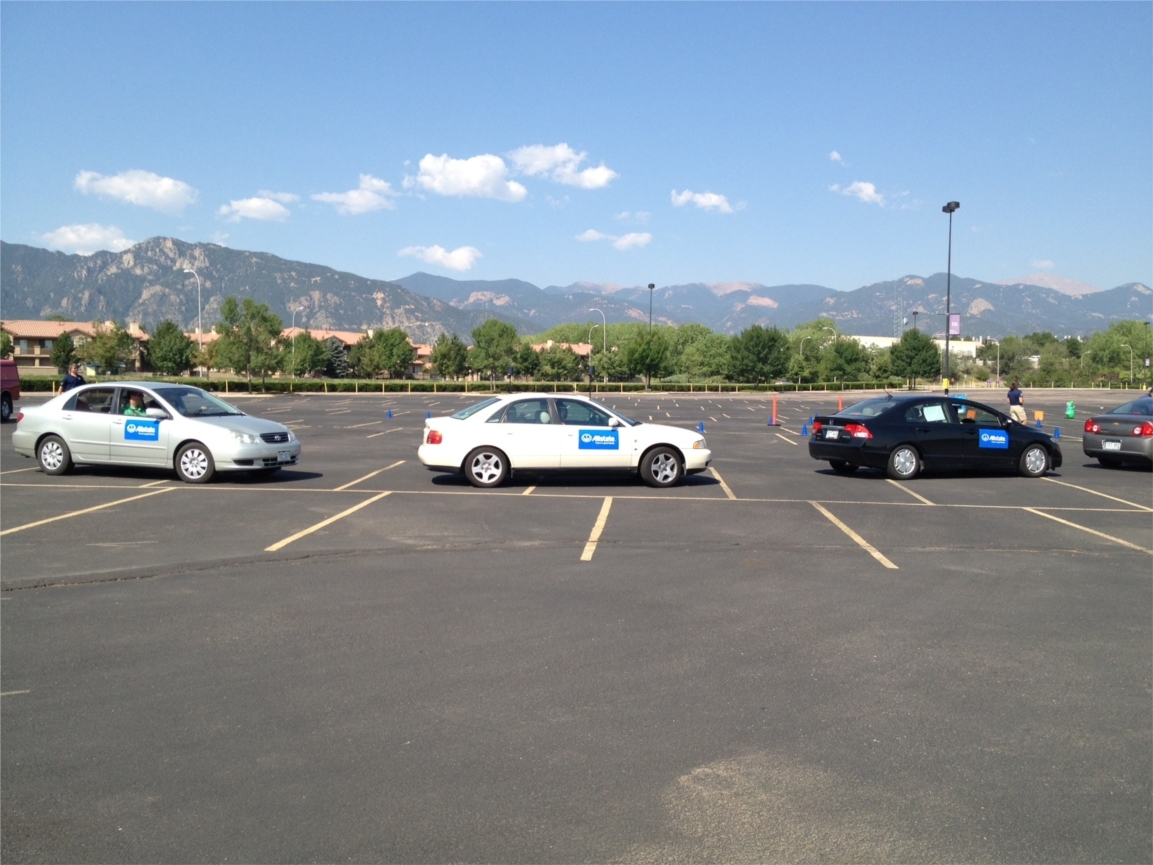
(147, 284)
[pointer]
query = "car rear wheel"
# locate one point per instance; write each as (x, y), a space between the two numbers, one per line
(661, 467)
(904, 463)
(1034, 461)
(194, 464)
(54, 456)
(5, 408)
(843, 468)
(486, 467)
(1111, 462)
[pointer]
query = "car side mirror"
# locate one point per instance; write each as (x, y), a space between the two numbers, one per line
(158, 413)
(614, 421)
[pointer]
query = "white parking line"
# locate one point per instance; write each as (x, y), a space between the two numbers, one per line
(598, 527)
(85, 511)
(529, 490)
(13, 693)
(14, 471)
(359, 425)
(909, 491)
(1089, 530)
(282, 544)
(721, 481)
(1094, 492)
(367, 476)
(869, 548)
(786, 438)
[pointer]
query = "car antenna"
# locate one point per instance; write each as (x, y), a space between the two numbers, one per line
(886, 387)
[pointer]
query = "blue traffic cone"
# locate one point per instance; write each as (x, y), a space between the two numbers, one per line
(390, 414)
(427, 415)
(804, 429)
(810, 420)
(701, 427)
(1056, 432)
(1039, 425)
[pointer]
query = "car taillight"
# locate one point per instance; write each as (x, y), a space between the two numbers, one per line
(1091, 426)
(19, 416)
(816, 426)
(858, 430)
(1146, 429)
(434, 437)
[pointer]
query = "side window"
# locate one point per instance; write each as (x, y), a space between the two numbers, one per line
(574, 412)
(144, 401)
(97, 399)
(967, 413)
(933, 412)
(528, 411)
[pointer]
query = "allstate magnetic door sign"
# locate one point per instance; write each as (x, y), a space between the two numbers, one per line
(141, 431)
(599, 440)
(994, 438)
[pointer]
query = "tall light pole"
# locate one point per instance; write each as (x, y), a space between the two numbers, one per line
(294, 312)
(1083, 353)
(651, 287)
(949, 209)
(832, 331)
(998, 359)
(801, 354)
(199, 325)
(916, 312)
(1123, 345)
(604, 337)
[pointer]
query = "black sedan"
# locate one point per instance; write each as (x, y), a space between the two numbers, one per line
(909, 433)
(1124, 435)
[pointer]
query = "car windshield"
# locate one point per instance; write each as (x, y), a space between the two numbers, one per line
(868, 408)
(1143, 407)
(473, 409)
(194, 402)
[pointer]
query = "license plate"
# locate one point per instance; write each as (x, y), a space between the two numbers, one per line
(832, 433)
(283, 456)
(1111, 446)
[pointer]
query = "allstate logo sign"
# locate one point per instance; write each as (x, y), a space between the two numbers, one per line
(141, 431)
(599, 440)
(994, 438)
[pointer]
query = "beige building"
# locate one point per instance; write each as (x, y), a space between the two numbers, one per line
(33, 340)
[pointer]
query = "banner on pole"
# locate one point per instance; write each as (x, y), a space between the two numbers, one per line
(955, 324)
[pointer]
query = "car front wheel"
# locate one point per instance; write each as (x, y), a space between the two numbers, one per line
(1034, 461)
(54, 456)
(904, 463)
(194, 464)
(486, 467)
(661, 467)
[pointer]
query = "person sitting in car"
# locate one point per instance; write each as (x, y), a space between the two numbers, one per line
(135, 407)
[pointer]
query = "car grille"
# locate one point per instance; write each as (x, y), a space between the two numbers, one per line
(270, 462)
(274, 438)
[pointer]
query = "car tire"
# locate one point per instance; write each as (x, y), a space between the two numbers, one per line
(194, 464)
(904, 463)
(53, 455)
(1034, 461)
(5, 408)
(843, 468)
(486, 467)
(1109, 462)
(661, 467)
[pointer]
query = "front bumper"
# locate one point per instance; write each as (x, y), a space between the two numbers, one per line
(241, 457)
(697, 460)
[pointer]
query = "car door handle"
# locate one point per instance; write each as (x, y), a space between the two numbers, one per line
(924, 429)
(117, 421)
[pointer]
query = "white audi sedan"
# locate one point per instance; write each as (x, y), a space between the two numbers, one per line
(170, 426)
(540, 432)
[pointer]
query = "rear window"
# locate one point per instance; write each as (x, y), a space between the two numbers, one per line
(473, 409)
(1143, 407)
(868, 408)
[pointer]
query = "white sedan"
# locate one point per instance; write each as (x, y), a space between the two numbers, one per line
(542, 432)
(144, 424)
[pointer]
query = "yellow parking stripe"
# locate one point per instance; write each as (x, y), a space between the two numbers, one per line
(869, 548)
(367, 476)
(909, 491)
(1089, 530)
(598, 527)
(1094, 492)
(529, 490)
(721, 481)
(85, 511)
(282, 544)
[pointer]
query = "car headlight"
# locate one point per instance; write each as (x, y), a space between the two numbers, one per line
(698, 444)
(244, 438)
(291, 437)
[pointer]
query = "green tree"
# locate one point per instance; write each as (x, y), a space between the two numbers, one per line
(559, 363)
(303, 355)
(169, 351)
(249, 332)
(63, 352)
(527, 360)
(648, 356)
(844, 360)
(758, 354)
(337, 365)
(495, 344)
(110, 348)
(385, 351)
(5, 344)
(611, 365)
(705, 356)
(449, 356)
(915, 356)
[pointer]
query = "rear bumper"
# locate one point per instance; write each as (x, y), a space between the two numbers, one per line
(1132, 448)
(854, 453)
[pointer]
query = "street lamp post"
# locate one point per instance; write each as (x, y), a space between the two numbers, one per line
(651, 287)
(1123, 345)
(604, 335)
(998, 358)
(294, 312)
(801, 353)
(916, 312)
(832, 331)
(949, 209)
(199, 325)
(649, 371)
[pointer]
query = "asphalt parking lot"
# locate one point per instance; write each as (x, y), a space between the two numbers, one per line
(361, 660)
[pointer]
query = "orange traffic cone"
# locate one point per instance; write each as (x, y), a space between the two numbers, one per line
(840, 402)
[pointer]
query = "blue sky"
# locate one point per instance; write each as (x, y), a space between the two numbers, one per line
(627, 143)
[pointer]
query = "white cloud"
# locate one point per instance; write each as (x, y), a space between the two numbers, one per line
(139, 187)
(703, 200)
(282, 197)
(1044, 264)
(632, 241)
(372, 194)
(836, 157)
(87, 239)
(484, 176)
(264, 209)
(641, 217)
(461, 258)
(562, 164)
(593, 234)
(862, 191)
